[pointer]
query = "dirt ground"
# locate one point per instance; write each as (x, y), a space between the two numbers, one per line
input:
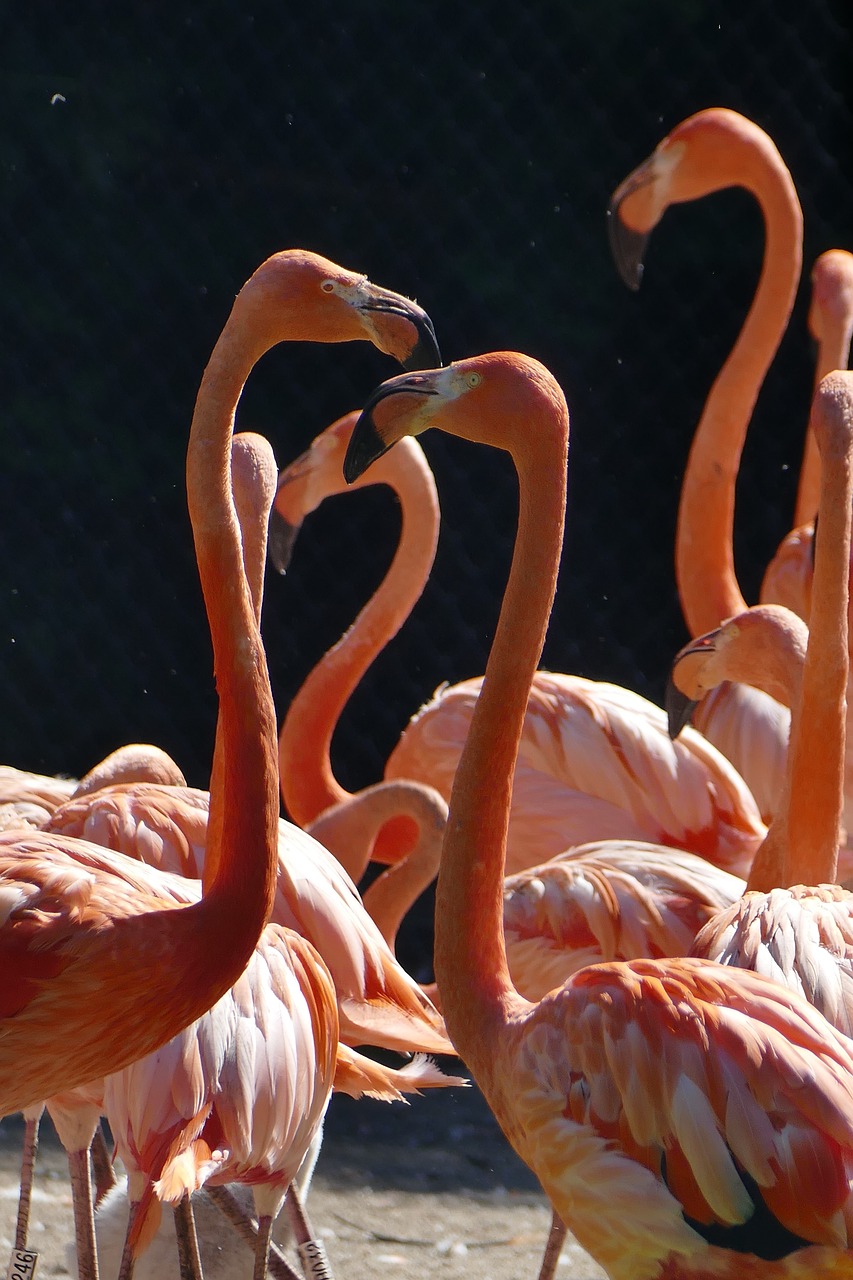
(428, 1190)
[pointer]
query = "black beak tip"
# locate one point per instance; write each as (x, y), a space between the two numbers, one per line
(364, 448)
(627, 247)
(679, 708)
(281, 539)
(425, 353)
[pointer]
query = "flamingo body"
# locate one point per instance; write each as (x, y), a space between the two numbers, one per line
(595, 762)
(68, 910)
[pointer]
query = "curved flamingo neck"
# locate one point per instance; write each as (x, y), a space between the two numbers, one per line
(354, 826)
(704, 551)
(241, 862)
(308, 783)
(804, 849)
(470, 955)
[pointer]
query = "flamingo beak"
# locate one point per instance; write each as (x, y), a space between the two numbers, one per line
(679, 709)
(422, 350)
(627, 246)
(281, 538)
(369, 440)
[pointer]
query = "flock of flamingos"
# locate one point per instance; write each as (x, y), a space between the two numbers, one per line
(643, 952)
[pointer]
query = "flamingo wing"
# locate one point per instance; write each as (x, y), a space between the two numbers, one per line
(607, 900)
(595, 762)
(679, 1103)
(800, 937)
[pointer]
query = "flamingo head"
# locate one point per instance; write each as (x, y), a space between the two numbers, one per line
(297, 294)
(708, 151)
(492, 399)
(765, 646)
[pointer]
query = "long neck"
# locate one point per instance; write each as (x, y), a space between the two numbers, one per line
(253, 491)
(349, 831)
(470, 955)
(308, 784)
(833, 353)
(242, 833)
(704, 554)
(802, 845)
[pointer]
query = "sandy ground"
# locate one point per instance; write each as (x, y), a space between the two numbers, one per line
(429, 1190)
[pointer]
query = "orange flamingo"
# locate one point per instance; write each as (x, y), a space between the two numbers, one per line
(595, 761)
(166, 826)
(788, 579)
(355, 824)
(707, 152)
(308, 784)
(73, 916)
(666, 1106)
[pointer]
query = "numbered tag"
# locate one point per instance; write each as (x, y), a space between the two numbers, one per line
(315, 1262)
(22, 1265)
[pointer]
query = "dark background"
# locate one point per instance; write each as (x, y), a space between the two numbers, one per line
(460, 153)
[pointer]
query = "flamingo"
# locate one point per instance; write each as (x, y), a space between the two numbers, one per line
(685, 1119)
(595, 762)
(707, 152)
(787, 579)
(72, 915)
(803, 935)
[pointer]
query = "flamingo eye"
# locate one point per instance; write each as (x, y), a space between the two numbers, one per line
(328, 286)
(474, 379)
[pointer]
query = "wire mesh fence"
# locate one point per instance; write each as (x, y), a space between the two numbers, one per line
(463, 154)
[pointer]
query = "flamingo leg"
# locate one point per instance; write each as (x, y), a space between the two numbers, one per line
(262, 1246)
(556, 1236)
(84, 1214)
(125, 1271)
(311, 1250)
(28, 1162)
(102, 1166)
(246, 1228)
(188, 1255)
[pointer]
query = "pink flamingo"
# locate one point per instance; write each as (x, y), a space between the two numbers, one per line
(707, 152)
(667, 1107)
(595, 760)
